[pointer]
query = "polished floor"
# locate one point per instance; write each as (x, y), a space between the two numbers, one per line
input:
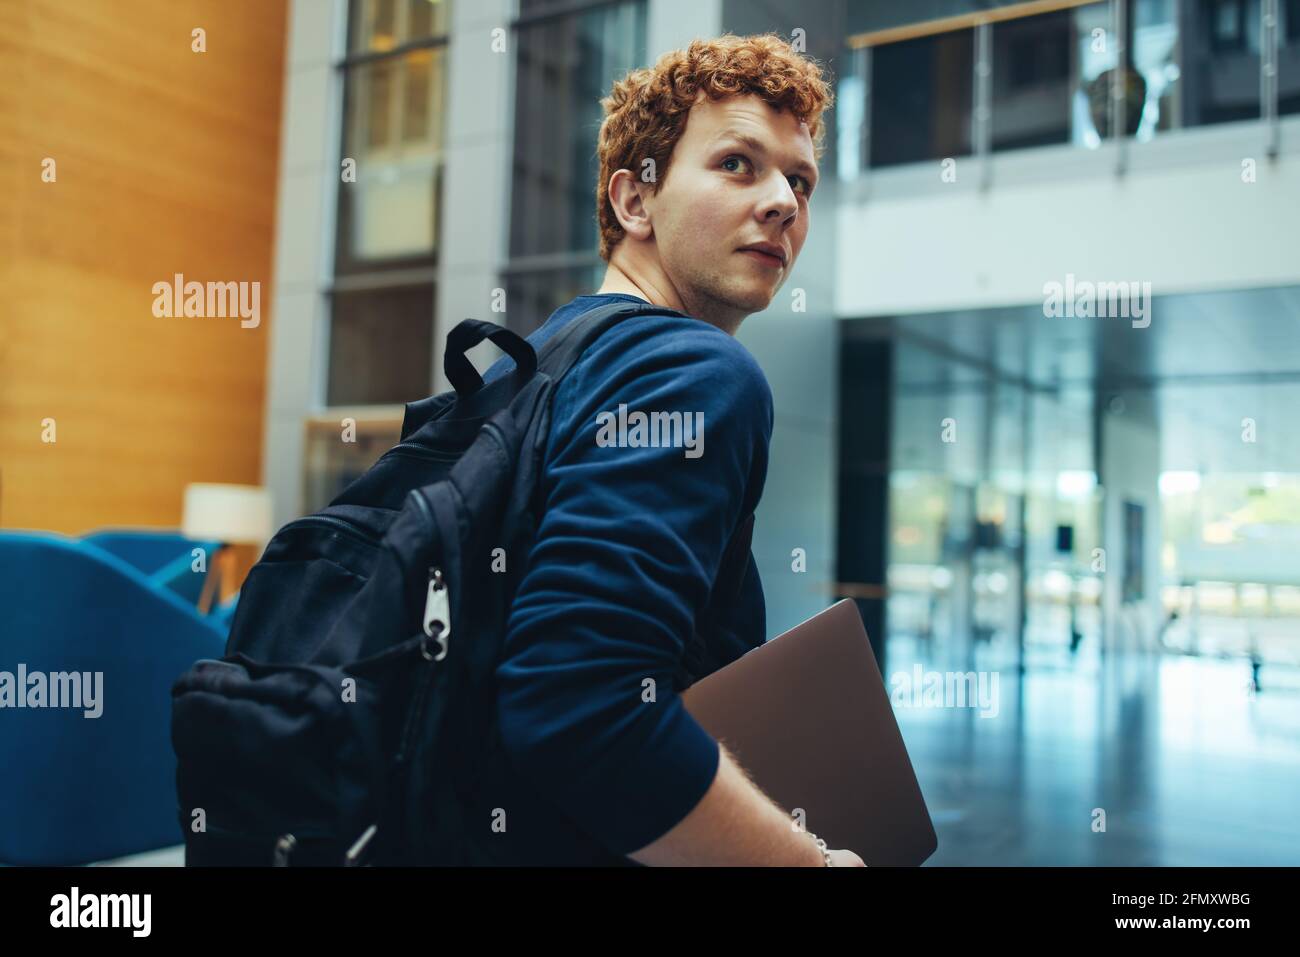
(1190, 765)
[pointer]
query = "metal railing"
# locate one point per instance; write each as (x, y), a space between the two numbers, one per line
(863, 48)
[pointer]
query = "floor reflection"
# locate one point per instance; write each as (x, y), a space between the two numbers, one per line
(1189, 765)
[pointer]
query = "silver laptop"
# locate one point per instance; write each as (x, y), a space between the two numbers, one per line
(808, 716)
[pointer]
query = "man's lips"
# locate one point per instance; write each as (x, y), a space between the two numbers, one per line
(767, 259)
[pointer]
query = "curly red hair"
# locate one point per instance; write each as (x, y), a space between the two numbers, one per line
(645, 112)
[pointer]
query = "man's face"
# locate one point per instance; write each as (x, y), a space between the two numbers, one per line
(740, 176)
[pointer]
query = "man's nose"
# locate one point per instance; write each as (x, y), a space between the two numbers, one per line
(780, 203)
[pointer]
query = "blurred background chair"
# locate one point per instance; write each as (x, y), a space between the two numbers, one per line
(81, 789)
(166, 557)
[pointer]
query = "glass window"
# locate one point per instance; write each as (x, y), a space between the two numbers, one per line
(393, 122)
(566, 65)
(533, 295)
(331, 465)
(1227, 25)
(1098, 55)
(1288, 77)
(381, 346)
(1155, 57)
(567, 62)
(1033, 81)
(377, 26)
(1222, 62)
(922, 96)
(850, 114)
(394, 104)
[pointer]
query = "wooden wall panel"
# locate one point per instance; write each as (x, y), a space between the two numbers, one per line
(166, 163)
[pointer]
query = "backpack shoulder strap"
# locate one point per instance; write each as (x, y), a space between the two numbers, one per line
(563, 350)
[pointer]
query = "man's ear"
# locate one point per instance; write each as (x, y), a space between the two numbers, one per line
(628, 197)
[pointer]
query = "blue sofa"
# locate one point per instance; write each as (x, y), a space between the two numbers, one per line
(78, 789)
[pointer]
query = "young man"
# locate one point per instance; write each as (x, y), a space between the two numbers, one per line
(707, 163)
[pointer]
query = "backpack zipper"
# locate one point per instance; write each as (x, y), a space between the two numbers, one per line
(420, 451)
(494, 430)
(342, 526)
(286, 844)
(436, 624)
(425, 452)
(437, 616)
(437, 627)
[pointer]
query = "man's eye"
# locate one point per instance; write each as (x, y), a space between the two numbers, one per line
(795, 179)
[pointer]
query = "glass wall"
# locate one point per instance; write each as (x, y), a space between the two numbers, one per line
(993, 512)
(1228, 557)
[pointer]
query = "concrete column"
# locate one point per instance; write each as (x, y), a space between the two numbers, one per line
(1129, 473)
(475, 212)
(303, 245)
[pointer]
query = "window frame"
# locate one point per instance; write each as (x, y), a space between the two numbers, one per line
(342, 262)
(523, 267)
(345, 273)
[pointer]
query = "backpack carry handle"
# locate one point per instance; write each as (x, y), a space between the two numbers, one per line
(461, 373)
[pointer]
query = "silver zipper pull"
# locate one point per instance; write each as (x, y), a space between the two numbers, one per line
(437, 615)
(354, 853)
(283, 848)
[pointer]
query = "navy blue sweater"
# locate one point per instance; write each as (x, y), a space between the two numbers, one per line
(625, 557)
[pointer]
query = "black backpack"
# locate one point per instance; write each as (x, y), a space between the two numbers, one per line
(356, 685)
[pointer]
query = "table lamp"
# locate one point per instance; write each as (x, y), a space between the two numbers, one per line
(229, 514)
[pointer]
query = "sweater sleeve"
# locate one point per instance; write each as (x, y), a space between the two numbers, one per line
(628, 545)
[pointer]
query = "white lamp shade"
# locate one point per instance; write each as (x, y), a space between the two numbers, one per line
(232, 514)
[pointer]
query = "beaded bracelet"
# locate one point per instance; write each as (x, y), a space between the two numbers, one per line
(821, 846)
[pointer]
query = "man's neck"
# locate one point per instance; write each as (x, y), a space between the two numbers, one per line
(617, 279)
